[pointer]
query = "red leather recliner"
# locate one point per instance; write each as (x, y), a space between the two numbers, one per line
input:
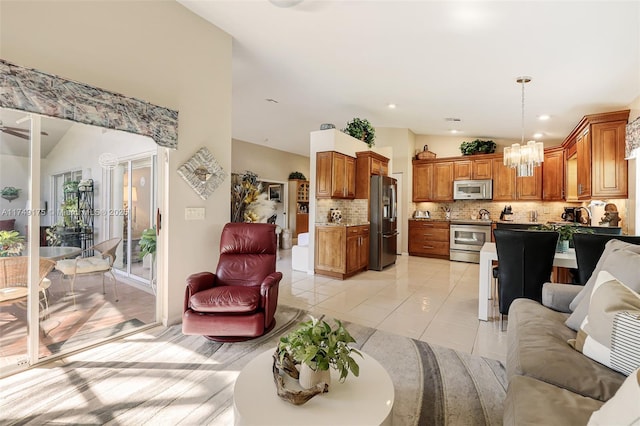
(238, 302)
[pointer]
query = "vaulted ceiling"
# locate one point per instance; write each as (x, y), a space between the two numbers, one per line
(316, 62)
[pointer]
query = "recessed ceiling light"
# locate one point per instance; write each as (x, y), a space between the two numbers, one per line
(454, 131)
(271, 100)
(544, 117)
(391, 106)
(537, 135)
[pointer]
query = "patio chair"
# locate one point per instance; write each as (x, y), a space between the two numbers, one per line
(98, 263)
(14, 273)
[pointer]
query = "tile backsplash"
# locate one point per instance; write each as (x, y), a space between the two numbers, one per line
(353, 211)
(547, 211)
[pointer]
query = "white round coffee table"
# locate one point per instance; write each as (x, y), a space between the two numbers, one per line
(364, 400)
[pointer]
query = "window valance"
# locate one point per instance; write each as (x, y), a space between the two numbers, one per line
(34, 91)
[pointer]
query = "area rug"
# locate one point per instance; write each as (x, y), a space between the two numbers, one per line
(80, 339)
(161, 377)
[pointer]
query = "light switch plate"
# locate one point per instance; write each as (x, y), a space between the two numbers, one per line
(194, 213)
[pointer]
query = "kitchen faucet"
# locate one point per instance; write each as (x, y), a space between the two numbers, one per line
(588, 213)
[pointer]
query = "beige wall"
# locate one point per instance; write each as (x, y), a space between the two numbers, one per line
(159, 52)
(402, 141)
(267, 163)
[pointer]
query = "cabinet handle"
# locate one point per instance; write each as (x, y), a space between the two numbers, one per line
(427, 235)
(428, 247)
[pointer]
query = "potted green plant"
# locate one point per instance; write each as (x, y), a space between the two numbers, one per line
(316, 346)
(148, 242)
(565, 233)
(71, 186)
(296, 175)
(11, 243)
(361, 129)
(9, 193)
(478, 147)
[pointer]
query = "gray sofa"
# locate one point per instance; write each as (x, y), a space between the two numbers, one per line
(550, 383)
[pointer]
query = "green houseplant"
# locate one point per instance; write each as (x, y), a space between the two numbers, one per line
(297, 175)
(11, 243)
(478, 147)
(318, 346)
(148, 242)
(565, 233)
(9, 193)
(361, 129)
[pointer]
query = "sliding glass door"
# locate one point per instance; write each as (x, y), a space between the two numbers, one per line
(73, 196)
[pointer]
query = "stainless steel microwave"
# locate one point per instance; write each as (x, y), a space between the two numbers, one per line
(473, 189)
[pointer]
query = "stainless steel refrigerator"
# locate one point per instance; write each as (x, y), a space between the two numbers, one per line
(383, 231)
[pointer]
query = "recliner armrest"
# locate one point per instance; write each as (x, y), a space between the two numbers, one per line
(269, 293)
(559, 296)
(196, 283)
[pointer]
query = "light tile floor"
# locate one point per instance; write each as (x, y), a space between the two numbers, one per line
(427, 299)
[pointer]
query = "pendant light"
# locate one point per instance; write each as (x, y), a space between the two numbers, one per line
(523, 157)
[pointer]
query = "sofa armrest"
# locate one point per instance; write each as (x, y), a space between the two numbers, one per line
(559, 296)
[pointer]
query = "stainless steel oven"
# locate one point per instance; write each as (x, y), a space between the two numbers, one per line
(466, 240)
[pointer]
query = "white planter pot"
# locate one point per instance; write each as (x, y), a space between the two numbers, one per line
(309, 378)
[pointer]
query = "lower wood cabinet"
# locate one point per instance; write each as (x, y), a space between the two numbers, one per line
(341, 251)
(429, 239)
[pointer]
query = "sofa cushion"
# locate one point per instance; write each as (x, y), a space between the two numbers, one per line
(226, 299)
(622, 263)
(537, 347)
(623, 408)
(83, 266)
(610, 334)
(610, 247)
(533, 402)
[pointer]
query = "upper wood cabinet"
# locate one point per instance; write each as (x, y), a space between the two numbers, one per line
(432, 180)
(369, 163)
(472, 169)
(600, 170)
(422, 181)
(508, 187)
(442, 189)
(553, 175)
(335, 175)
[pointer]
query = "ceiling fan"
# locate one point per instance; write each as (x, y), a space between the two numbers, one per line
(16, 131)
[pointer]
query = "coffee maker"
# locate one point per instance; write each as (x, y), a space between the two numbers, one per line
(571, 214)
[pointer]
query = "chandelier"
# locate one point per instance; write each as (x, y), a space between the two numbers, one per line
(523, 157)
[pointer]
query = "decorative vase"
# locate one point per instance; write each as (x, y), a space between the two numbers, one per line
(308, 377)
(336, 215)
(563, 246)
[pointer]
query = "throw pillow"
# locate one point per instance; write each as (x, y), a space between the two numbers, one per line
(610, 247)
(623, 264)
(610, 334)
(623, 408)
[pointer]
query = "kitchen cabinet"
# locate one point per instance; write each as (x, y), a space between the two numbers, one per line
(472, 169)
(442, 181)
(595, 163)
(335, 175)
(341, 251)
(429, 238)
(508, 187)
(369, 163)
(422, 181)
(432, 180)
(299, 206)
(553, 175)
